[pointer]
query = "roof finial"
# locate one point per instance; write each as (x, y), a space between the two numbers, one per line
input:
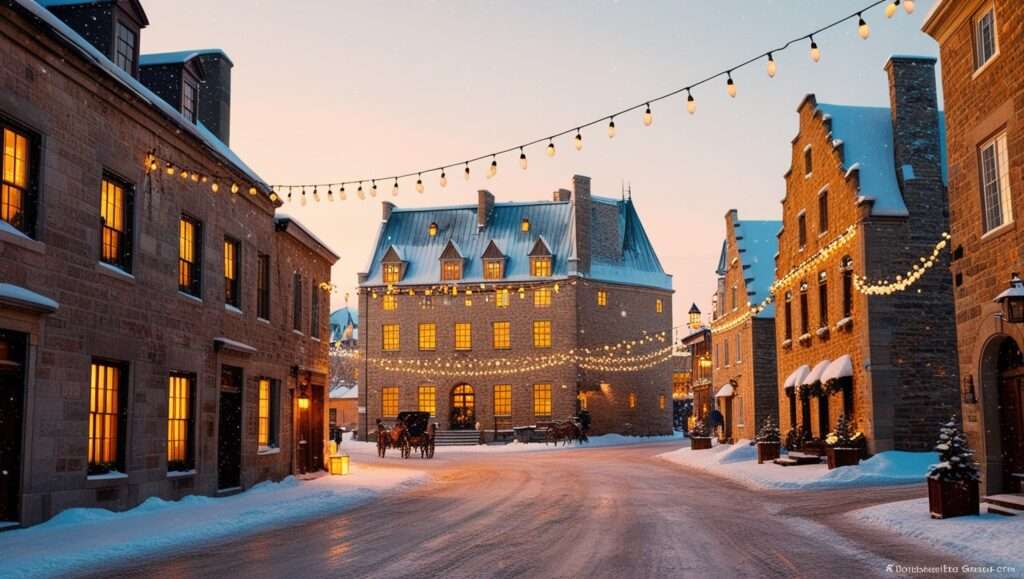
(629, 191)
(622, 189)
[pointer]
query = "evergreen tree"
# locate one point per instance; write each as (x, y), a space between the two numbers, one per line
(700, 430)
(769, 431)
(843, 435)
(957, 458)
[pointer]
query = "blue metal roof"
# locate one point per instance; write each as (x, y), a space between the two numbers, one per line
(341, 319)
(179, 57)
(757, 244)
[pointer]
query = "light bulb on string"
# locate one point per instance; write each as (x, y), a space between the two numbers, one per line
(394, 188)
(419, 183)
(214, 187)
(316, 194)
(493, 169)
(195, 177)
(890, 10)
(444, 179)
(252, 191)
(465, 172)
(360, 193)
(234, 188)
(289, 194)
(169, 169)
(730, 86)
(330, 194)
(522, 159)
(302, 200)
(273, 197)
(611, 127)
(373, 188)
(579, 140)
(691, 103)
(771, 66)
(183, 174)
(908, 6)
(551, 148)
(862, 27)
(648, 117)
(341, 194)
(815, 51)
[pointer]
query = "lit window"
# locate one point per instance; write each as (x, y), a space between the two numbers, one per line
(391, 272)
(602, 298)
(266, 436)
(995, 183)
(632, 400)
(984, 38)
(542, 399)
(106, 413)
(823, 212)
(524, 225)
(428, 399)
(389, 401)
(542, 297)
(493, 269)
(463, 336)
(501, 298)
(390, 302)
(179, 422)
(15, 205)
(582, 398)
(451, 270)
(502, 335)
(189, 255)
(390, 336)
(540, 266)
(659, 306)
(542, 334)
(124, 53)
(428, 337)
(115, 218)
(432, 230)
(503, 400)
(661, 401)
(232, 295)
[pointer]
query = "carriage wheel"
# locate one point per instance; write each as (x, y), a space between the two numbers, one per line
(406, 448)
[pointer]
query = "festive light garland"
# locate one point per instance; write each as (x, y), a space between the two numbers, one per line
(343, 187)
(158, 165)
(902, 282)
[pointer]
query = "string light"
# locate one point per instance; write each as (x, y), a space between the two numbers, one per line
(903, 282)
(302, 200)
(360, 192)
(890, 10)
(908, 6)
(579, 140)
(419, 184)
(691, 103)
(466, 172)
(215, 187)
(862, 27)
(771, 66)
(730, 86)
(648, 117)
(330, 195)
(522, 159)
(493, 170)
(611, 128)
(234, 188)
(444, 179)
(551, 148)
(316, 194)
(341, 193)
(394, 189)
(373, 188)
(815, 51)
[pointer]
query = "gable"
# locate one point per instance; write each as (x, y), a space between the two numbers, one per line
(540, 248)
(451, 251)
(493, 251)
(392, 255)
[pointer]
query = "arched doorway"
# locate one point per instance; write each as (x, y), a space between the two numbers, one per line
(1011, 414)
(463, 411)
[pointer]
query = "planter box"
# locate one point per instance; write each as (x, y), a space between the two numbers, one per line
(948, 499)
(700, 443)
(768, 451)
(843, 457)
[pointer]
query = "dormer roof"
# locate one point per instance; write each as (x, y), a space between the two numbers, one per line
(541, 248)
(452, 251)
(492, 251)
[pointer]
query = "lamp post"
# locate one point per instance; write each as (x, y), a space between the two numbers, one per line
(694, 317)
(1012, 300)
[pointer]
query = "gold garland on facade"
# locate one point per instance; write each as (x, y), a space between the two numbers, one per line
(903, 282)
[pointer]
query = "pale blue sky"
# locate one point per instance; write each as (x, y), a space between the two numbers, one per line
(330, 90)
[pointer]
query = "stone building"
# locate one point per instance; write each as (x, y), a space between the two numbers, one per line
(157, 338)
(698, 345)
(857, 332)
(497, 315)
(982, 63)
(744, 377)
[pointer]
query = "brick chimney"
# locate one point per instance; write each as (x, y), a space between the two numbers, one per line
(386, 208)
(484, 207)
(100, 23)
(561, 195)
(581, 193)
(215, 94)
(915, 119)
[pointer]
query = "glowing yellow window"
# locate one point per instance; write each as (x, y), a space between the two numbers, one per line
(661, 401)
(390, 302)
(542, 297)
(112, 214)
(503, 400)
(263, 433)
(540, 266)
(451, 270)
(602, 298)
(659, 306)
(428, 399)
(188, 254)
(542, 334)
(389, 401)
(390, 336)
(632, 400)
(583, 400)
(392, 272)
(179, 422)
(501, 298)
(493, 269)
(104, 416)
(502, 335)
(428, 337)
(231, 269)
(14, 186)
(463, 336)
(542, 399)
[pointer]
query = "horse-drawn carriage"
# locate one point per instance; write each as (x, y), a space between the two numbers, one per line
(413, 431)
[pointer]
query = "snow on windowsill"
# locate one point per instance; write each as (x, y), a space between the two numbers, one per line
(115, 271)
(787, 343)
(13, 231)
(181, 473)
(268, 450)
(264, 320)
(112, 475)
(26, 297)
(232, 309)
(190, 297)
(844, 323)
(822, 332)
(298, 332)
(804, 338)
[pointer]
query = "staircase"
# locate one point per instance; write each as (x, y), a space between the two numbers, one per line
(456, 438)
(1009, 505)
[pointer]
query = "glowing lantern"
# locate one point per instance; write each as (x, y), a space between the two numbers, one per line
(1012, 300)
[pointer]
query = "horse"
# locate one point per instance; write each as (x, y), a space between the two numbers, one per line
(424, 442)
(564, 432)
(395, 437)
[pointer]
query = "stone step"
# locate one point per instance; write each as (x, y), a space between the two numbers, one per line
(1005, 511)
(457, 438)
(1013, 502)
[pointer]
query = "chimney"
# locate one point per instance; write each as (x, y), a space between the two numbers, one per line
(581, 192)
(561, 195)
(915, 118)
(215, 94)
(386, 208)
(484, 207)
(97, 22)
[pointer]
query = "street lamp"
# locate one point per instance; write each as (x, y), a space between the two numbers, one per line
(1012, 300)
(705, 361)
(303, 403)
(694, 317)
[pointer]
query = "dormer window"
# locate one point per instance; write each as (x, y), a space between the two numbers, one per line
(493, 269)
(392, 272)
(525, 225)
(540, 266)
(451, 270)
(189, 98)
(432, 230)
(124, 49)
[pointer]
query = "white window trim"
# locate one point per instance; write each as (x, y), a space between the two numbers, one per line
(999, 142)
(974, 40)
(803, 157)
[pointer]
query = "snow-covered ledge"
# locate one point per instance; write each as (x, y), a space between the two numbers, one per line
(845, 323)
(220, 342)
(14, 236)
(822, 332)
(804, 339)
(25, 299)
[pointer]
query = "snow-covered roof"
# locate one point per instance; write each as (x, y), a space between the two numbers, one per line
(91, 53)
(796, 377)
(341, 319)
(815, 375)
(179, 57)
(283, 218)
(757, 244)
(19, 297)
(345, 391)
(725, 391)
(841, 367)
(235, 345)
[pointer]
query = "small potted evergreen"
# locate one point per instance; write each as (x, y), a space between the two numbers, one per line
(843, 449)
(953, 483)
(700, 436)
(769, 441)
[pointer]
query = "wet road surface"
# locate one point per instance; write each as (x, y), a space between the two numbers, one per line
(603, 512)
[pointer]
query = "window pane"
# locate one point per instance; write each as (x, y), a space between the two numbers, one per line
(542, 334)
(428, 337)
(179, 422)
(542, 297)
(390, 334)
(428, 399)
(389, 401)
(542, 399)
(503, 400)
(502, 335)
(463, 336)
(104, 416)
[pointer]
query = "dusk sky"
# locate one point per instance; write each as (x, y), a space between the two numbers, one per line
(328, 91)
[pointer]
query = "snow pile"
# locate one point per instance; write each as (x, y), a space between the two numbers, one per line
(79, 538)
(987, 539)
(739, 463)
(356, 447)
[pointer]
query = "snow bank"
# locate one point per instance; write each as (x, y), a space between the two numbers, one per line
(987, 539)
(356, 447)
(739, 463)
(81, 538)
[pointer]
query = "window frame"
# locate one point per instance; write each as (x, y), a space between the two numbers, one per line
(541, 266)
(808, 161)
(542, 297)
(389, 302)
(120, 58)
(183, 426)
(29, 192)
(389, 397)
(420, 391)
(805, 312)
(788, 328)
(659, 306)
(801, 229)
(268, 416)
(189, 96)
(451, 269)
(263, 286)
(494, 269)
(116, 459)
(122, 258)
(823, 212)
(631, 401)
(502, 298)
(391, 272)
(297, 302)
(502, 400)
(314, 311)
(426, 337)
(391, 337)
(501, 329)
(998, 145)
(232, 272)
(846, 267)
(542, 334)
(193, 268)
(977, 39)
(602, 298)
(542, 393)
(463, 333)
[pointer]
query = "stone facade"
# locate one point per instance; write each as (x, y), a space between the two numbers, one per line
(983, 100)
(874, 221)
(85, 126)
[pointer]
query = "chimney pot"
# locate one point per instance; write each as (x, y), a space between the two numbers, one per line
(561, 195)
(581, 194)
(485, 205)
(386, 208)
